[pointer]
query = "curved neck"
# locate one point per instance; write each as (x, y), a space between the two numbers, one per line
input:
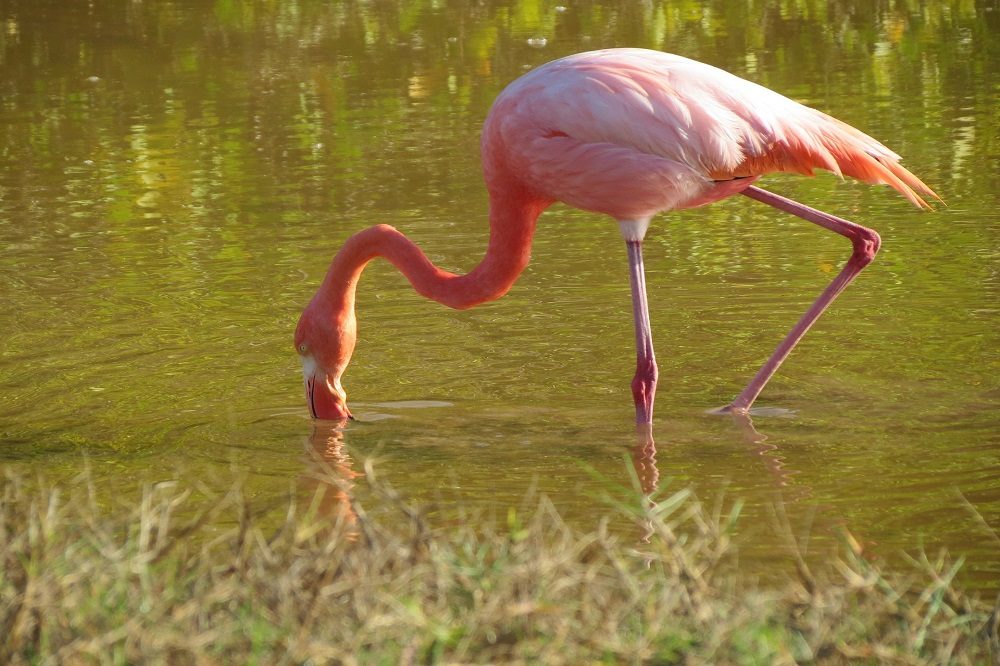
(512, 226)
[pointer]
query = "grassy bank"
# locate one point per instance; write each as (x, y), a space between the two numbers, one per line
(330, 584)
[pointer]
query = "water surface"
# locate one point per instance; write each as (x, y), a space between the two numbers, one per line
(175, 176)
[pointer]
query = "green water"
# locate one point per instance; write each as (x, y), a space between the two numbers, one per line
(175, 177)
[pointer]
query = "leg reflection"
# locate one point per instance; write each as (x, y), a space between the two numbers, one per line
(644, 452)
(644, 459)
(644, 462)
(768, 453)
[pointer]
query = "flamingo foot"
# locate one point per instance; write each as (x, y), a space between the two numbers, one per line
(776, 412)
(726, 410)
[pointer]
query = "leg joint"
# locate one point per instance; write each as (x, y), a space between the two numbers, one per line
(646, 369)
(644, 382)
(866, 244)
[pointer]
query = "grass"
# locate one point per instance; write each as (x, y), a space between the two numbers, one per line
(175, 580)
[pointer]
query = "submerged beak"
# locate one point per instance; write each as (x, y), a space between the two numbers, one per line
(326, 399)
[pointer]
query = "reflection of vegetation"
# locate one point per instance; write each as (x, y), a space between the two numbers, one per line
(260, 87)
(79, 586)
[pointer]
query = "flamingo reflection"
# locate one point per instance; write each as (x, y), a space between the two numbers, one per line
(769, 454)
(330, 473)
(643, 454)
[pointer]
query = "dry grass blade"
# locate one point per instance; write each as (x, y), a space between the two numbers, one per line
(324, 581)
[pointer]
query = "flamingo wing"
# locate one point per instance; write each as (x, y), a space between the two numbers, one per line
(631, 132)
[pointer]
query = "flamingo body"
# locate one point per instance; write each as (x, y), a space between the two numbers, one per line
(631, 132)
(624, 132)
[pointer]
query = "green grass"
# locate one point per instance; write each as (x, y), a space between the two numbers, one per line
(328, 583)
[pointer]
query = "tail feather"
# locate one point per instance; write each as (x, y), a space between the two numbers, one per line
(876, 170)
(824, 142)
(912, 181)
(862, 157)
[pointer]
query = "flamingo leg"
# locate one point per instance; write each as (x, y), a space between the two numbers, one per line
(865, 243)
(644, 382)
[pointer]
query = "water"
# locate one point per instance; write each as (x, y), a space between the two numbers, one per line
(174, 178)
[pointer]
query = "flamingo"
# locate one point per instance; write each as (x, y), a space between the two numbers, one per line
(629, 133)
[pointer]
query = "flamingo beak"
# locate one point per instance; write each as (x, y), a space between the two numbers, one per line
(326, 399)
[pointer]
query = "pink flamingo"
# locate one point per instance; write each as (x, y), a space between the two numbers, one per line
(628, 133)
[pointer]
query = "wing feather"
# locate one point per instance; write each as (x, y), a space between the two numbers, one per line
(588, 126)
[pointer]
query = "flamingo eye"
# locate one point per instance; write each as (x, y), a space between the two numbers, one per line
(303, 348)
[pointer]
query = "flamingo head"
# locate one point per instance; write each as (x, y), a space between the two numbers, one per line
(325, 345)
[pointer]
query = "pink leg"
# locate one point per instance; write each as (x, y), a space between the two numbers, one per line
(644, 382)
(866, 243)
